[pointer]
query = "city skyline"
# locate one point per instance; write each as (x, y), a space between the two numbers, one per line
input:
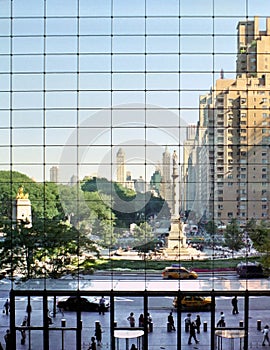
(134, 87)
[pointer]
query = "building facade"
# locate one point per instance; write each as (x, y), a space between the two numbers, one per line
(121, 167)
(231, 149)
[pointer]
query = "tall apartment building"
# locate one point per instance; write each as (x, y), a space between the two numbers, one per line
(54, 174)
(237, 133)
(121, 167)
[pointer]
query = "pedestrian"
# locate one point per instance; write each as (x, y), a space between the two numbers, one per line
(98, 333)
(265, 332)
(6, 307)
(192, 333)
(7, 338)
(93, 345)
(101, 307)
(133, 347)
(171, 322)
(131, 319)
(187, 322)
(23, 334)
(24, 322)
(48, 318)
(141, 320)
(198, 323)
(28, 311)
(235, 305)
(221, 321)
(149, 322)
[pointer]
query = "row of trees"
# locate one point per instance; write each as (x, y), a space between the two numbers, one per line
(237, 237)
(65, 219)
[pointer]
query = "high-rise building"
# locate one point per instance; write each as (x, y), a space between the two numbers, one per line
(54, 174)
(191, 130)
(155, 182)
(121, 167)
(236, 135)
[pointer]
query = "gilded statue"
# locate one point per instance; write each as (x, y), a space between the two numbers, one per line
(21, 195)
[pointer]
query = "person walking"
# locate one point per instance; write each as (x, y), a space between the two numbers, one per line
(133, 347)
(192, 333)
(187, 322)
(198, 324)
(171, 322)
(7, 338)
(235, 305)
(93, 345)
(149, 322)
(131, 319)
(265, 332)
(28, 311)
(101, 308)
(221, 321)
(141, 320)
(23, 336)
(98, 333)
(6, 307)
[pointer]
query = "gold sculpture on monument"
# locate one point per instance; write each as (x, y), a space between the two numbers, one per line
(21, 194)
(21, 209)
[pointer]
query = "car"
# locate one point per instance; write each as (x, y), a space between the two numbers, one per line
(194, 302)
(178, 272)
(74, 303)
(250, 270)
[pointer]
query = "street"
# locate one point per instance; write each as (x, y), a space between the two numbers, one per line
(159, 307)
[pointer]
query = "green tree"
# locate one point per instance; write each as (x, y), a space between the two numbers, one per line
(233, 236)
(258, 233)
(127, 205)
(260, 236)
(211, 227)
(143, 233)
(44, 196)
(48, 248)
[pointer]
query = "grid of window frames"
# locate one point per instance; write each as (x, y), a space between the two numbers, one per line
(115, 119)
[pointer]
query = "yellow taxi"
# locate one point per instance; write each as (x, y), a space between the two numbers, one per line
(194, 302)
(178, 272)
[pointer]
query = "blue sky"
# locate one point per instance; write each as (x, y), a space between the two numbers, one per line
(151, 70)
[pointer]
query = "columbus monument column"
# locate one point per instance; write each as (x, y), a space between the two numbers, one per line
(176, 238)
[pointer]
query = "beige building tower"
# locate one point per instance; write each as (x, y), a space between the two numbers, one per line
(237, 132)
(121, 167)
(54, 174)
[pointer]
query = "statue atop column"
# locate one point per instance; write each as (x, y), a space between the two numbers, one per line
(176, 238)
(21, 195)
(21, 211)
(176, 241)
(175, 187)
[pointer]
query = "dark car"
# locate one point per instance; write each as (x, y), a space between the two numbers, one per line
(250, 270)
(75, 303)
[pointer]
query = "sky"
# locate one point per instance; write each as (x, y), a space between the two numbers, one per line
(125, 74)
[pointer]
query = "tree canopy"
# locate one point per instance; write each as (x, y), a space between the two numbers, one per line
(259, 233)
(44, 196)
(233, 236)
(48, 248)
